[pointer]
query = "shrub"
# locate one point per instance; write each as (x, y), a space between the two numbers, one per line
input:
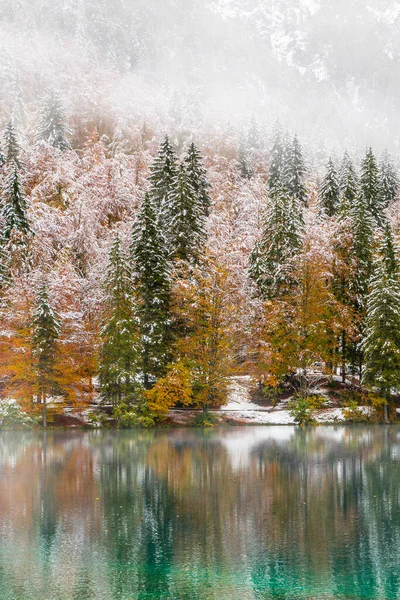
(353, 413)
(205, 419)
(12, 416)
(133, 416)
(301, 409)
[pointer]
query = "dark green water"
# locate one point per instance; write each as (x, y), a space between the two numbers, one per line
(233, 514)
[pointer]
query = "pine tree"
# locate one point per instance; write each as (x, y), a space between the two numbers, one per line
(119, 351)
(52, 128)
(271, 262)
(348, 184)
(153, 287)
(329, 191)
(253, 137)
(370, 187)
(388, 180)
(162, 177)
(277, 160)
(245, 168)
(46, 331)
(295, 171)
(198, 177)
(381, 344)
(186, 220)
(13, 200)
(11, 146)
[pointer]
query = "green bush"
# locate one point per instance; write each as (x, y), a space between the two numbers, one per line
(133, 416)
(302, 409)
(12, 416)
(205, 419)
(353, 414)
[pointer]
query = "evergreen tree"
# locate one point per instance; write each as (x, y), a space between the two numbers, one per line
(348, 185)
(11, 146)
(162, 177)
(14, 207)
(295, 171)
(271, 262)
(381, 344)
(371, 188)
(4, 267)
(198, 177)
(245, 168)
(186, 220)
(363, 227)
(329, 191)
(277, 160)
(388, 180)
(119, 351)
(253, 137)
(153, 287)
(46, 331)
(52, 128)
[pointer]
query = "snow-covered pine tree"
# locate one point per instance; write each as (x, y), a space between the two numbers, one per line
(153, 290)
(363, 229)
(381, 343)
(329, 191)
(294, 171)
(186, 220)
(4, 267)
(253, 136)
(162, 175)
(197, 175)
(52, 128)
(119, 356)
(16, 227)
(11, 145)
(277, 160)
(348, 185)
(244, 160)
(46, 329)
(388, 180)
(271, 261)
(371, 187)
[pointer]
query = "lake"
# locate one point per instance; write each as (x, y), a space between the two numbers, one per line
(227, 514)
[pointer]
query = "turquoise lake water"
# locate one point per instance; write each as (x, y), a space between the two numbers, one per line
(246, 513)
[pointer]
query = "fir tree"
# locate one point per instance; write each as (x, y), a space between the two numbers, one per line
(153, 287)
(52, 128)
(197, 176)
(363, 227)
(11, 146)
(272, 260)
(46, 331)
(388, 180)
(381, 344)
(119, 351)
(245, 169)
(277, 160)
(14, 207)
(370, 187)
(348, 185)
(186, 220)
(329, 191)
(162, 177)
(253, 137)
(295, 171)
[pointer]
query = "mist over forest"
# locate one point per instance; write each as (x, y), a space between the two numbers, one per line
(327, 69)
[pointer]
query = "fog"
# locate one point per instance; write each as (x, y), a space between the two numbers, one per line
(328, 69)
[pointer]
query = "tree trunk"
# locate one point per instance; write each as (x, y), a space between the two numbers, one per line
(343, 357)
(44, 410)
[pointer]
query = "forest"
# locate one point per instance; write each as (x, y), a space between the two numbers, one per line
(142, 271)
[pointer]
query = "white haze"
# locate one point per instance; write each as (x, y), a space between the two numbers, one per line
(328, 69)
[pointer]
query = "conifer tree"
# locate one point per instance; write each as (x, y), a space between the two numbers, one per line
(271, 262)
(119, 351)
(388, 180)
(348, 184)
(277, 160)
(46, 331)
(245, 169)
(153, 288)
(253, 137)
(197, 176)
(52, 128)
(186, 220)
(13, 199)
(381, 344)
(329, 191)
(371, 188)
(162, 177)
(295, 171)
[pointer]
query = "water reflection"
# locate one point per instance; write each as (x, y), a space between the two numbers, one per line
(245, 513)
